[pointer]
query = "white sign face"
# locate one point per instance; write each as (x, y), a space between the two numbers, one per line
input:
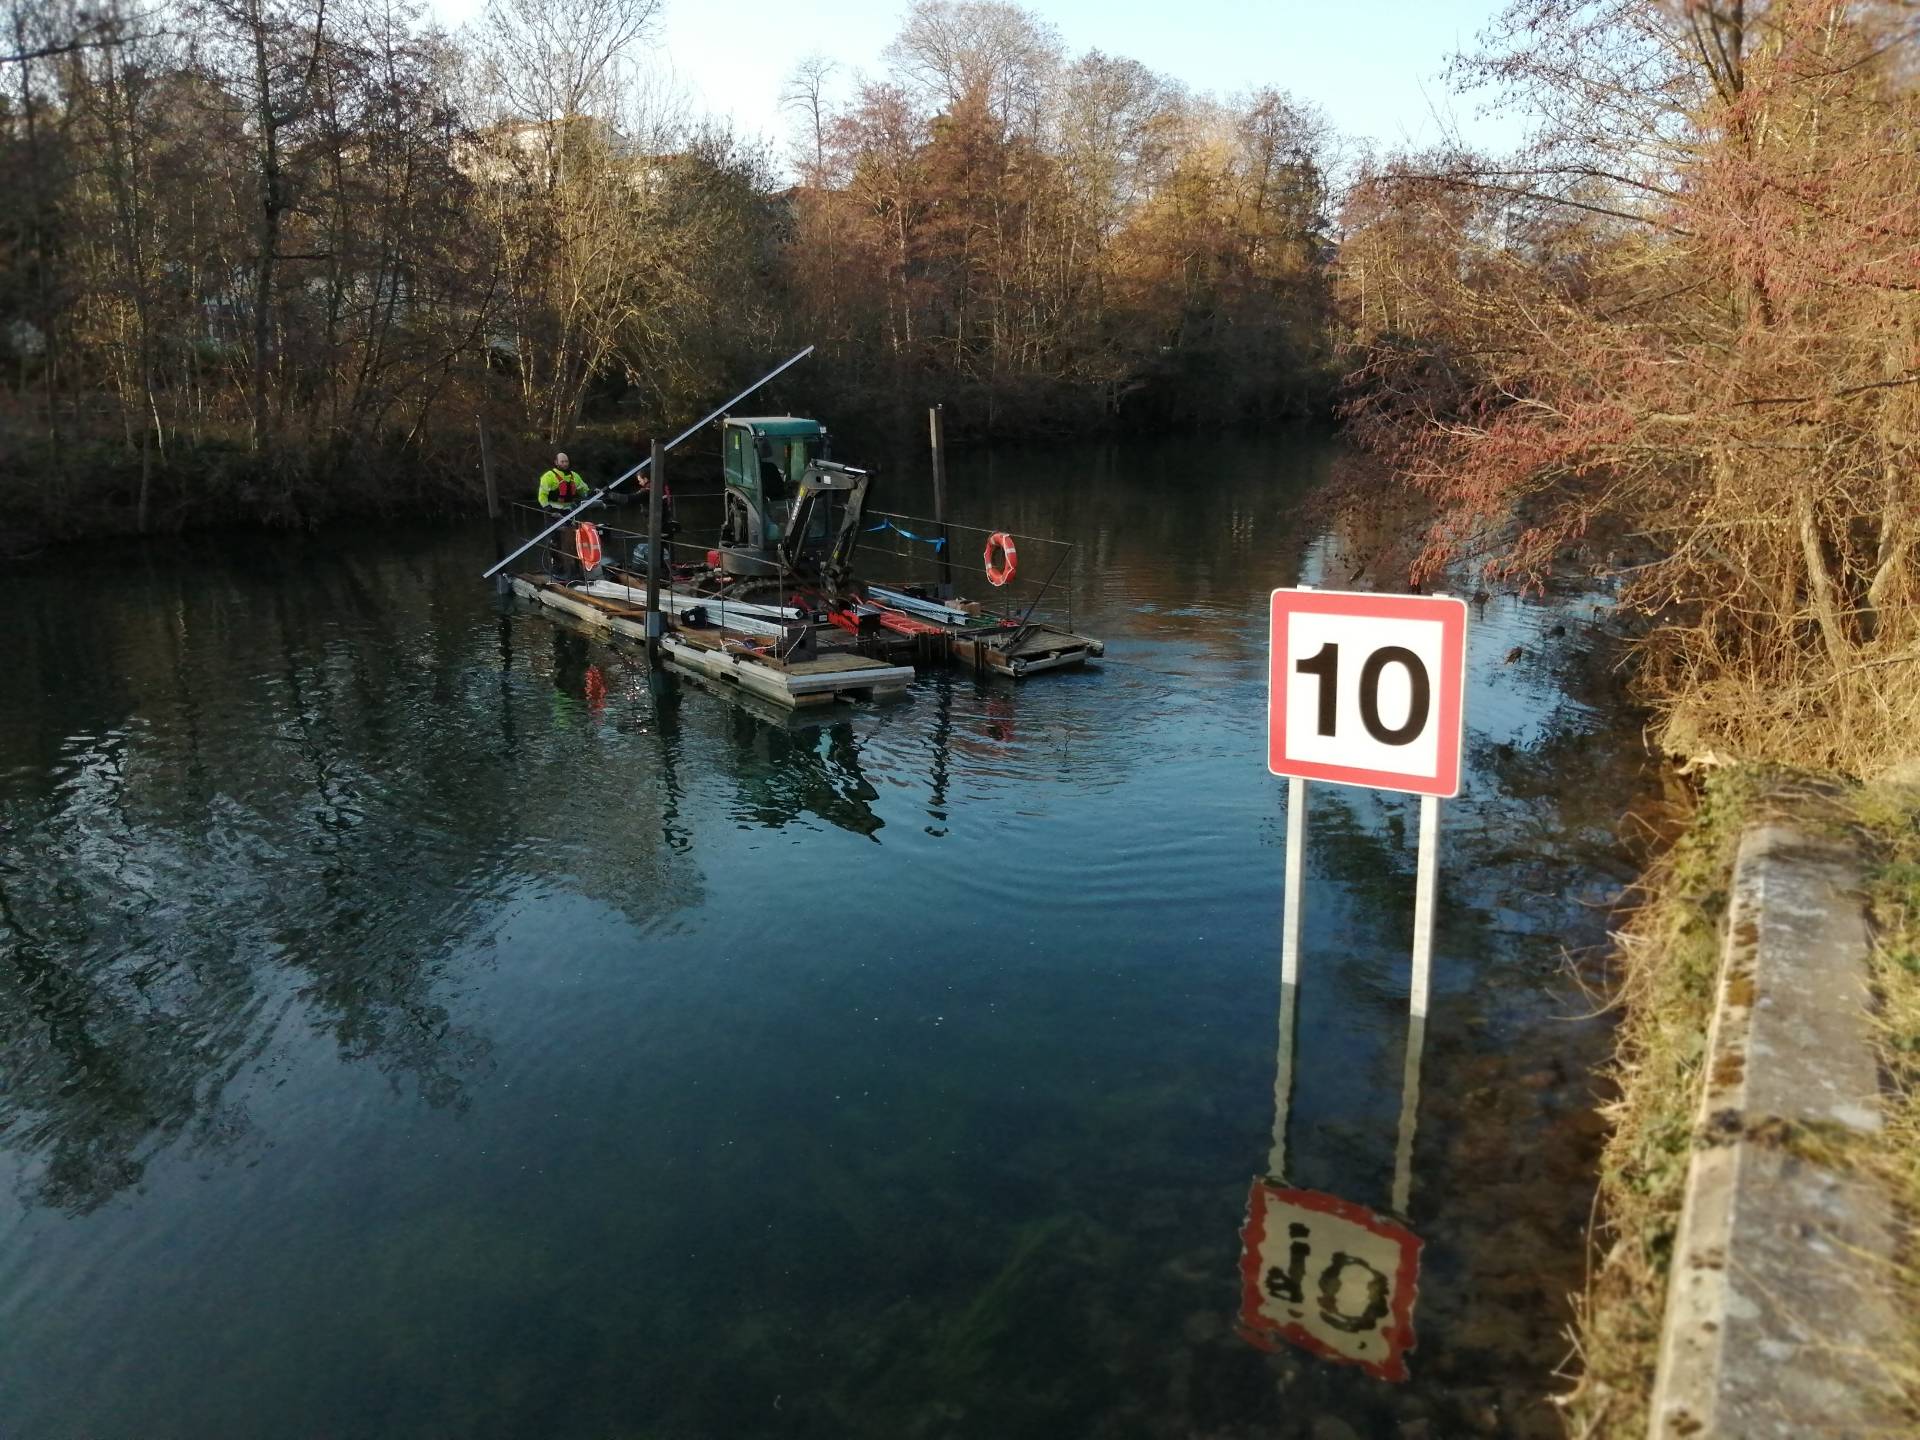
(1367, 689)
(1329, 1276)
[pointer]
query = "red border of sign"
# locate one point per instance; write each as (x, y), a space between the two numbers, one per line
(1452, 615)
(1262, 1333)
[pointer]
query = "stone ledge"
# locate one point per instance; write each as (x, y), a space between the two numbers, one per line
(1778, 1300)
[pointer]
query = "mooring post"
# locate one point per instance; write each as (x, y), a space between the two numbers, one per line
(493, 489)
(656, 484)
(937, 431)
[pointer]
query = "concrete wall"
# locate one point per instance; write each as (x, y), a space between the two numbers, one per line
(1778, 1303)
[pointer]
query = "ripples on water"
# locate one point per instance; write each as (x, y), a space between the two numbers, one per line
(416, 1020)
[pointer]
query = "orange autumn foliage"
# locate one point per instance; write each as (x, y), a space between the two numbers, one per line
(1687, 319)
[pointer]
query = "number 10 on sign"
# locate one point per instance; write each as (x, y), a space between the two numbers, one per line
(1366, 689)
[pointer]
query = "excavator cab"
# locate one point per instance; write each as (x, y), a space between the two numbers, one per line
(791, 512)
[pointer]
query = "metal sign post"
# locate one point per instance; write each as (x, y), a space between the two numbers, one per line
(1289, 966)
(1402, 1201)
(1425, 881)
(1367, 689)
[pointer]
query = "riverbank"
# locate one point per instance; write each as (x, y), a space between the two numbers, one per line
(100, 491)
(1669, 955)
(94, 491)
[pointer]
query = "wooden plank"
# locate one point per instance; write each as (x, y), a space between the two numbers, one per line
(767, 680)
(840, 661)
(611, 607)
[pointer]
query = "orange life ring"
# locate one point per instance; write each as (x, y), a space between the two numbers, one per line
(998, 575)
(586, 544)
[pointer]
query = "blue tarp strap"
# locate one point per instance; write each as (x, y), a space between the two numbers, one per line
(934, 540)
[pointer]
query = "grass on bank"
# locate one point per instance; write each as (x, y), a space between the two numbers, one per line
(1668, 959)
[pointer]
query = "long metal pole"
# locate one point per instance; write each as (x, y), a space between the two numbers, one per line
(656, 483)
(1426, 871)
(600, 496)
(1289, 968)
(1020, 633)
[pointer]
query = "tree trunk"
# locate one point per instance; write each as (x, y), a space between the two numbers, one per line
(271, 204)
(1826, 610)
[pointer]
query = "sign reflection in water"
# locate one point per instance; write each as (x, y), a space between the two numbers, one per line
(1326, 1274)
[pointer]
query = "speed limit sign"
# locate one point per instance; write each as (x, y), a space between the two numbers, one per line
(1365, 689)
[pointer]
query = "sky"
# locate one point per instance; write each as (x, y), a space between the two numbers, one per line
(1372, 66)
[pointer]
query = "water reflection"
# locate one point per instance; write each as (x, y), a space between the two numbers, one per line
(781, 772)
(312, 824)
(265, 826)
(1323, 1273)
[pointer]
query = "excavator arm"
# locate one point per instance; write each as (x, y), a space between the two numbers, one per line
(832, 563)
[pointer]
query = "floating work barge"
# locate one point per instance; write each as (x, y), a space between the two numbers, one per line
(812, 650)
(774, 608)
(809, 651)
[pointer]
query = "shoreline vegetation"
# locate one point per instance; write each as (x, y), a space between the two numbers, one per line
(271, 261)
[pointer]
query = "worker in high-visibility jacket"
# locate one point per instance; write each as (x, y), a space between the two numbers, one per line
(561, 488)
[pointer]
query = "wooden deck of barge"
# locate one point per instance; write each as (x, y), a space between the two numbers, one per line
(716, 654)
(1019, 653)
(983, 643)
(872, 649)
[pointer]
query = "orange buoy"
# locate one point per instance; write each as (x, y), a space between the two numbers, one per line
(999, 573)
(586, 544)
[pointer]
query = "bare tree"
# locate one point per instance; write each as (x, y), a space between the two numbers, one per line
(948, 49)
(267, 53)
(805, 95)
(552, 62)
(569, 187)
(1684, 313)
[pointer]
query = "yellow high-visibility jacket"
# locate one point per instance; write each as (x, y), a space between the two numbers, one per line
(562, 489)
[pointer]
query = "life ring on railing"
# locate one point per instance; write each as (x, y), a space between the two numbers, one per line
(586, 544)
(999, 574)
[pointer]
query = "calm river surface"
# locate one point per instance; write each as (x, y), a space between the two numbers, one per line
(414, 1022)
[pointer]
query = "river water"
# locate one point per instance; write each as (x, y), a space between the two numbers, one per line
(414, 1020)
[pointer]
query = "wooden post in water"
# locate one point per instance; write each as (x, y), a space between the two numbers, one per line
(493, 488)
(656, 485)
(936, 428)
